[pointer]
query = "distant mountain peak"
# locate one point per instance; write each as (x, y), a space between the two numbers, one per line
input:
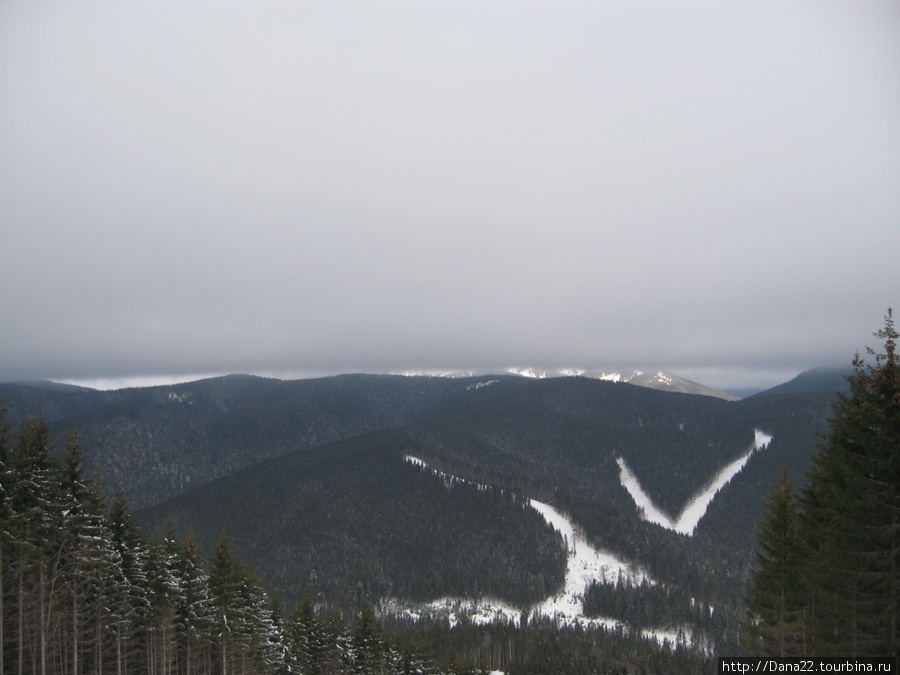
(820, 379)
(50, 385)
(659, 379)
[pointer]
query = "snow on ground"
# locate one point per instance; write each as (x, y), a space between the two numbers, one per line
(584, 564)
(479, 612)
(649, 510)
(690, 517)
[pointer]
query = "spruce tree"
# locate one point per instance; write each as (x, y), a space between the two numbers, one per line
(225, 579)
(303, 635)
(36, 525)
(775, 626)
(86, 555)
(195, 618)
(851, 519)
(130, 587)
(164, 593)
(332, 654)
(368, 648)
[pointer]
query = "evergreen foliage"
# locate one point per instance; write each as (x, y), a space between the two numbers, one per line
(847, 557)
(775, 627)
(84, 592)
(350, 520)
(354, 518)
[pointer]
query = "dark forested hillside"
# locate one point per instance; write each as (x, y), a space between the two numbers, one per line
(574, 428)
(156, 442)
(825, 578)
(354, 518)
(795, 422)
(309, 482)
(815, 380)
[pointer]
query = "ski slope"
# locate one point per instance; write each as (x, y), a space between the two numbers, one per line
(686, 522)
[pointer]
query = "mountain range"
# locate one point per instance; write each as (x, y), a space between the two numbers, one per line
(311, 480)
(657, 379)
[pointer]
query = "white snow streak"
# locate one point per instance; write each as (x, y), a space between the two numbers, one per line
(690, 517)
(584, 564)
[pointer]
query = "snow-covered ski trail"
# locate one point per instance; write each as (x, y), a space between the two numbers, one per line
(584, 564)
(690, 517)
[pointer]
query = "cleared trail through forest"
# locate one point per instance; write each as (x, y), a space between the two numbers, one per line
(584, 564)
(686, 522)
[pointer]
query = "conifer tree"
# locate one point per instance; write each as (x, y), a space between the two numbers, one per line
(35, 524)
(368, 649)
(303, 635)
(853, 504)
(224, 586)
(86, 554)
(845, 560)
(332, 654)
(194, 613)
(130, 588)
(775, 626)
(163, 595)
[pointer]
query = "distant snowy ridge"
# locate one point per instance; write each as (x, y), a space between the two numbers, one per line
(436, 373)
(689, 518)
(656, 379)
(582, 372)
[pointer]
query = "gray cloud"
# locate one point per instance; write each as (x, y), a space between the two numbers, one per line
(322, 187)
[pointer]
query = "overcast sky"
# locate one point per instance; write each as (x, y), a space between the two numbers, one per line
(301, 188)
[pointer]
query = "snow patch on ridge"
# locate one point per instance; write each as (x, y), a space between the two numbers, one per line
(527, 372)
(662, 378)
(689, 518)
(479, 385)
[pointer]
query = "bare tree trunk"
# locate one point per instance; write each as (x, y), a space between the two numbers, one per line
(893, 605)
(75, 625)
(21, 612)
(42, 636)
(224, 662)
(98, 660)
(2, 636)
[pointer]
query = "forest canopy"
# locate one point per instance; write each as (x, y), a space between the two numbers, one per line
(827, 575)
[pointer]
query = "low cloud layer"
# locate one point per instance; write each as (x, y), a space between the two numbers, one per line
(309, 188)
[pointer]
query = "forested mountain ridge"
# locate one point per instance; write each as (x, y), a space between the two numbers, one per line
(660, 380)
(354, 519)
(825, 578)
(555, 440)
(822, 379)
(156, 442)
(309, 480)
